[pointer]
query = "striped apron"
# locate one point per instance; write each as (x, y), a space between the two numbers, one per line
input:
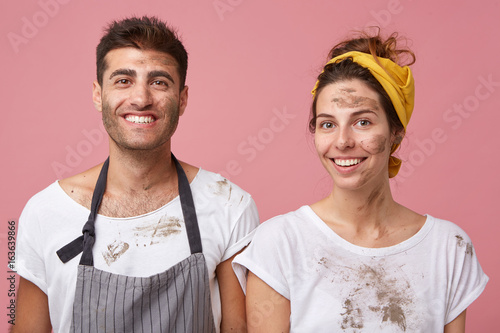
(177, 300)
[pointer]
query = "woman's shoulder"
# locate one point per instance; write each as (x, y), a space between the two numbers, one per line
(446, 227)
(450, 236)
(291, 223)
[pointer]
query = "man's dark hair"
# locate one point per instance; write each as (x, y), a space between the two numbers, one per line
(145, 33)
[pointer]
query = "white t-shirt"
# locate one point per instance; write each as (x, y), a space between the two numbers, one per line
(139, 246)
(419, 285)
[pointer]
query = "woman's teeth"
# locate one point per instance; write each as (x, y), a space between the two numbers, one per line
(350, 162)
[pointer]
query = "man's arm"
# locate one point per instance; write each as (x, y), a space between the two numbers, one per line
(32, 309)
(232, 298)
(457, 325)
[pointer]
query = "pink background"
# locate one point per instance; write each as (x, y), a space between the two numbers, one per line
(251, 61)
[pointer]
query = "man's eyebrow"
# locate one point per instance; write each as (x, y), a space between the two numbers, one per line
(158, 73)
(123, 71)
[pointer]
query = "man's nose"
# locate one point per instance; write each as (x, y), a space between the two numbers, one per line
(141, 96)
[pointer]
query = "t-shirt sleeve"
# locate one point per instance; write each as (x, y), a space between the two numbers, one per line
(243, 230)
(29, 261)
(467, 277)
(266, 257)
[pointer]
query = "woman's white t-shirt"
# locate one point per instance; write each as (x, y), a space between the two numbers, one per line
(419, 285)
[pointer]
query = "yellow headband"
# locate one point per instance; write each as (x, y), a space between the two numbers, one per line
(397, 81)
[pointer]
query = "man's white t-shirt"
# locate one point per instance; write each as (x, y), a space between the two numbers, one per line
(419, 285)
(139, 246)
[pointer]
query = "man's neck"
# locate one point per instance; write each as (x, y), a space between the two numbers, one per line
(140, 171)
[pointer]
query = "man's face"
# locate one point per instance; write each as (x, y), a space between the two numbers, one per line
(140, 99)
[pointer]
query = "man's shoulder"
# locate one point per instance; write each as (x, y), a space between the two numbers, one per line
(51, 200)
(81, 186)
(216, 183)
(45, 196)
(213, 192)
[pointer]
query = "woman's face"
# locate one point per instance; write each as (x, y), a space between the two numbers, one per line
(352, 135)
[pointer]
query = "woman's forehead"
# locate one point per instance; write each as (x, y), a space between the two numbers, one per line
(352, 94)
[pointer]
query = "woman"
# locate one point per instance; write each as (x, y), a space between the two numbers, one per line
(357, 261)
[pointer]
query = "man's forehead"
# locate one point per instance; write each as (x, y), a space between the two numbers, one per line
(139, 56)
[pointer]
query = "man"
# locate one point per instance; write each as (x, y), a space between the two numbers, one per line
(160, 237)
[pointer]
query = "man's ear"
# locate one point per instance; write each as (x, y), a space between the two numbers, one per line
(183, 99)
(96, 96)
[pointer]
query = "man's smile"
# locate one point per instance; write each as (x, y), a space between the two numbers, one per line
(139, 119)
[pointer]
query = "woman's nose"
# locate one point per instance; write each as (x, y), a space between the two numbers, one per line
(345, 139)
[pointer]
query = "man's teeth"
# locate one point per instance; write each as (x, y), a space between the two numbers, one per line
(347, 162)
(139, 119)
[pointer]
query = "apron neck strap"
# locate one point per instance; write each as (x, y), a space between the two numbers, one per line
(188, 209)
(89, 227)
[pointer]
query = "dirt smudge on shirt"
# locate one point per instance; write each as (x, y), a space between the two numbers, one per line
(469, 249)
(352, 317)
(165, 227)
(222, 188)
(371, 290)
(114, 251)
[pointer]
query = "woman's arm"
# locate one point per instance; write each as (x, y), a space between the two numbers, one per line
(267, 311)
(457, 325)
(232, 299)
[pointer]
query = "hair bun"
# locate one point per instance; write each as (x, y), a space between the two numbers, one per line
(377, 46)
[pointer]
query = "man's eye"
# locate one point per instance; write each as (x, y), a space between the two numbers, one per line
(123, 81)
(159, 83)
(364, 122)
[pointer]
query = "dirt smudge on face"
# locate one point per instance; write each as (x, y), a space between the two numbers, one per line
(375, 145)
(469, 249)
(351, 101)
(165, 227)
(114, 251)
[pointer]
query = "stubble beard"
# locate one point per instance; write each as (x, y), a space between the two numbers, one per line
(119, 136)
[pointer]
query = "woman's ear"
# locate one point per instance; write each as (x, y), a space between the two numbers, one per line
(398, 136)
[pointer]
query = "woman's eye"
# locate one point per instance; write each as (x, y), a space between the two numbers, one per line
(364, 122)
(326, 125)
